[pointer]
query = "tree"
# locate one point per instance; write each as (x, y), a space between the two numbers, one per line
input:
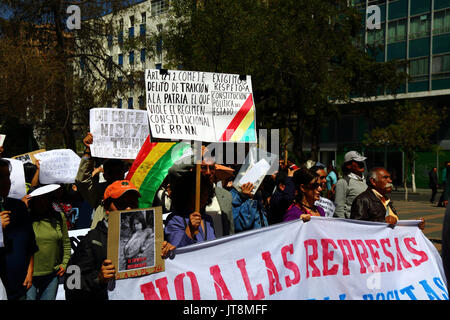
(410, 130)
(53, 75)
(301, 55)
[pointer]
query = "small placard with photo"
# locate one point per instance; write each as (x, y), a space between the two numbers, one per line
(134, 242)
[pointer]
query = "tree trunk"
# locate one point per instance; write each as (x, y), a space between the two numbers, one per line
(298, 139)
(405, 184)
(315, 139)
(413, 177)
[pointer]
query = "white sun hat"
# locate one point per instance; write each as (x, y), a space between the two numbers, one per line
(44, 190)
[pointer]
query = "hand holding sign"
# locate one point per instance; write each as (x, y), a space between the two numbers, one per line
(4, 218)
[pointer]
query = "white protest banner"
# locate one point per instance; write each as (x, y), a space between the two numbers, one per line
(201, 106)
(117, 133)
(325, 258)
(2, 139)
(58, 166)
(17, 176)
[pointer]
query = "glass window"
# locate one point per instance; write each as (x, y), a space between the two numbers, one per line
(143, 17)
(131, 32)
(159, 7)
(130, 103)
(131, 58)
(120, 59)
(119, 103)
(441, 63)
(142, 29)
(441, 22)
(397, 31)
(143, 55)
(110, 40)
(420, 26)
(419, 67)
(376, 36)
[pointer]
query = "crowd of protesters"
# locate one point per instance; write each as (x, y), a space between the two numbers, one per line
(37, 248)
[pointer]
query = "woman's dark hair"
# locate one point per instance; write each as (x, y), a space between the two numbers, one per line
(51, 213)
(183, 190)
(29, 170)
(5, 163)
(140, 217)
(302, 176)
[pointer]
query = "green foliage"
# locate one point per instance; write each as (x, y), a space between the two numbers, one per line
(300, 54)
(411, 127)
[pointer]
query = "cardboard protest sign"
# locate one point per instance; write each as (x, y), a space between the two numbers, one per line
(28, 157)
(201, 106)
(2, 139)
(117, 133)
(17, 176)
(134, 241)
(58, 166)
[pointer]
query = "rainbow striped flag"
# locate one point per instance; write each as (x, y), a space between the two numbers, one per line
(242, 127)
(151, 167)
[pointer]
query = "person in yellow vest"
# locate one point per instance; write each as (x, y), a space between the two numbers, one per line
(374, 203)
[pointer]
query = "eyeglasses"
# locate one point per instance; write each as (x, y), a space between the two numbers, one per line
(314, 186)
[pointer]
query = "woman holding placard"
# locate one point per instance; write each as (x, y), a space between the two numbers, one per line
(185, 226)
(308, 189)
(52, 238)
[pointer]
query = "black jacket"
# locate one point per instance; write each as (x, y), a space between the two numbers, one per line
(368, 207)
(89, 256)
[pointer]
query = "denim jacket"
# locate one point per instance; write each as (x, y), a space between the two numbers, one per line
(247, 213)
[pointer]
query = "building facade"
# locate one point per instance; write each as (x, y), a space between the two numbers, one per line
(417, 32)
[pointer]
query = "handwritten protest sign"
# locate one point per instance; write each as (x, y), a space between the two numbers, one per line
(58, 166)
(201, 106)
(117, 133)
(28, 157)
(324, 259)
(17, 176)
(327, 205)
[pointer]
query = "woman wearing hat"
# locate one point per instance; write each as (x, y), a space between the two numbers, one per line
(52, 238)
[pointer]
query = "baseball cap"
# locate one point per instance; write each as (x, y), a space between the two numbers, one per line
(118, 188)
(44, 190)
(353, 156)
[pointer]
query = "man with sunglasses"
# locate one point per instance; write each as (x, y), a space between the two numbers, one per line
(90, 254)
(351, 185)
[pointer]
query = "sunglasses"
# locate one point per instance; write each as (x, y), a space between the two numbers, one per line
(314, 186)
(122, 203)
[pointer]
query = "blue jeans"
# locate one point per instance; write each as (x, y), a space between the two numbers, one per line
(43, 288)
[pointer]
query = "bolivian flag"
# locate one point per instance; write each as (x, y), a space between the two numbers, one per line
(242, 127)
(151, 167)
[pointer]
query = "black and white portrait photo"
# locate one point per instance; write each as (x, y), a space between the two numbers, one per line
(137, 240)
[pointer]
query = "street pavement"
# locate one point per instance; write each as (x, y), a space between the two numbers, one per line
(417, 206)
